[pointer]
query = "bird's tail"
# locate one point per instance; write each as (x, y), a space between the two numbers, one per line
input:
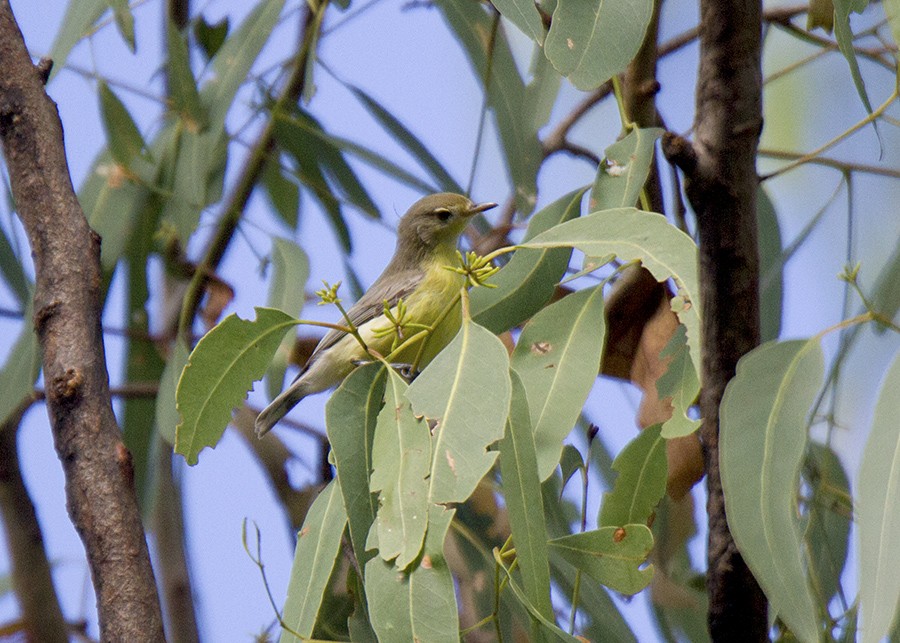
(279, 407)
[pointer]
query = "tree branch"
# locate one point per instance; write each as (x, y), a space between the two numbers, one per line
(721, 184)
(97, 466)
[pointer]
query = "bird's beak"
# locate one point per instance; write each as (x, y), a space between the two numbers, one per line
(481, 207)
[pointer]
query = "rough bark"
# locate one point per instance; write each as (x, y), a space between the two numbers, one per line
(99, 474)
(721, 184)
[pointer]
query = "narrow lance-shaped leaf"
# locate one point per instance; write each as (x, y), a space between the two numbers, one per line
(466, 391)
(522, 493)
(221, 370)
(879, 513)
(419, 605)
(284, 194)
(641, 481)
(318, 547)
(166, 412)
(287, 292)
(529, 280)
(350, 417)
(589, 42)
(762, 439)
(558, 359)
(124, 138)
(181, 84)
(124, 21)
(771, 292)
(401, 456)
(80, 16)
(20, 370)
(524, 15)
(680, 384)
(611, 555)
(631, 234)
(844, 36)
(13, 274)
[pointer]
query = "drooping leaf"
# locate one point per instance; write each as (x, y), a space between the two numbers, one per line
(589, 42)
(624, 170)
(886, 292)
(180, 82)
(641, 481)
(844, 36)
(401, 457)
(419, 605)
(558, 359)
(210, 36)
(771, 293)
(524, 15)
(287, 292)
(318, 547)
(610, 555)
(452, 391)
(762, 433)
(821, 14)
(167, 417)
(522, 493)
(122, 135)
(124, 21)
(878, 507)
(20, 370)
(528, 281)
(284, 194)
(221, 370)
(11, 269)
(631, 234)
(484, 41)
(350, 417)
(892, 12)
(81, 15)
(679, 383)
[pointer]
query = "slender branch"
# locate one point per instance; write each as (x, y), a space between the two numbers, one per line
(843, 166)
(98, 468)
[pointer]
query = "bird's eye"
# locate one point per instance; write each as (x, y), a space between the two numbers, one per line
(443, 214)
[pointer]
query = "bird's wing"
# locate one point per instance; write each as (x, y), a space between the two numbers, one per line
(388, 286)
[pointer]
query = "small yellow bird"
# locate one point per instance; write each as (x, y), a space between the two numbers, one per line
(427, 239)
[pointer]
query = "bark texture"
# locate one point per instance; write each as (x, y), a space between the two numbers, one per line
(98, 469)
(721, 184)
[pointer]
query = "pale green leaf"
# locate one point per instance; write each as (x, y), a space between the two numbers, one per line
(844, 36)
(221, 370)
(122, 135)
(679, 383)
(419, 605)
(20, 370)
(771, 265)
(589, 42)
(466, 389)
(350, 416)
(820, 14)
(524, 15)
(631, 234)
(124, 21)
(183, 96)
(522, 493)
(287, 292)
(318, 547)
(81, 15)
(558, 358)
(878, 508)
(624, 170)
(529, 280)
(640, 483)
(570, 462)
(886, 292)
(401, 457)
(283, 194)
(11, 269)
(762, 433)
(892, 12)
(167, 417)
(610, 555)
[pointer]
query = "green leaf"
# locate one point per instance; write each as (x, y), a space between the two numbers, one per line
(466, 390)
(570, 462)
(892, 12)
(210, 36)
(762, 433)
(284, 194)
(122, 135)
(489, 53)
(558, 359)
(408, 141)
(624, 170)
(631, 234)
(420, 605)
(821, 14)
(590, 42)
(528, 281)
(233, 61)
(167, 417)
(221, 370)
(81, 15)
(641, 482)
(844, 36)
(524, 15)
(878, 508)
(828, 530)
(771, 295)
(350, 417)
(287, 292)
(680, 383)
(124, 21)
(318, 547)
(401, 454)
(182, 86)
(20, 370)
(522, 493)
(886, 292)
(11, 268)
(610, 555)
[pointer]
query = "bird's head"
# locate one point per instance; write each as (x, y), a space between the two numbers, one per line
(437, 221)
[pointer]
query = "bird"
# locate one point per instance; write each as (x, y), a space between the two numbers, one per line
(427, 238)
